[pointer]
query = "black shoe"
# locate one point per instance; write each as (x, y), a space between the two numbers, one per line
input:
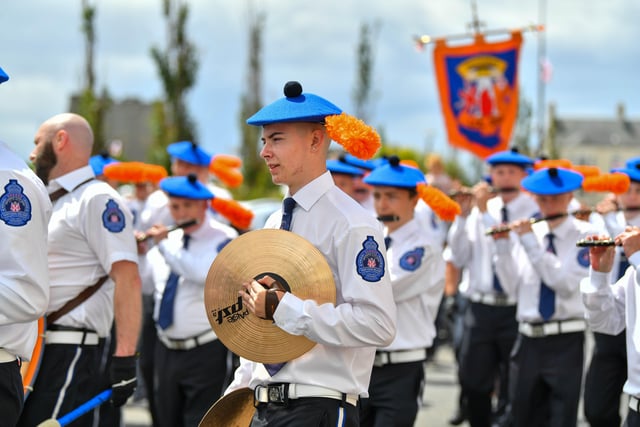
(458, 418)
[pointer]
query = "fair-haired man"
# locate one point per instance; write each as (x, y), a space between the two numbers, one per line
(336, 371)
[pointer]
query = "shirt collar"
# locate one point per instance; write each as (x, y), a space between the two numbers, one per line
(72, 179)
(308, 195)
(406, 231)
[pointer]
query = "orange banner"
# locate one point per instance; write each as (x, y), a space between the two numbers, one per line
(478, 86)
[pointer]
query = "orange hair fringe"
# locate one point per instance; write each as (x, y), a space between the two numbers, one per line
(616, 182)
(135, 172)
(239, 216)
(587, 170)
(442, 205)
(224, 167)
(355, 136)
(555, 163)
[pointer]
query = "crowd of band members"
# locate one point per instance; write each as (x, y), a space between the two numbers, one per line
(520, 362)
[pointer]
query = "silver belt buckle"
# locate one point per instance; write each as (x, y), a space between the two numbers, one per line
(501, 299)
(278, 393)
(537, 331)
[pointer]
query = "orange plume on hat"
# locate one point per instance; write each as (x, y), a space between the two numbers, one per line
(355, 136)
(238, 215)
(587, 170)
(135, 172)
(615, 182)
(225, 168)
(553, 163)
(445, 207)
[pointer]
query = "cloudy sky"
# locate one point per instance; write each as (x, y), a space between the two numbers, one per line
(592, 46)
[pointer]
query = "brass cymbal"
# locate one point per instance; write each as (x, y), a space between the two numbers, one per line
(233, 410)
(284, 255)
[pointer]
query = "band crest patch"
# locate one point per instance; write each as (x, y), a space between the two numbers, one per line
(113, 217)
(583, 257)
(15, 206)
(412, 260)
(370, 262)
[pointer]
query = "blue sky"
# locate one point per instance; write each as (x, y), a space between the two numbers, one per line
(592, 46)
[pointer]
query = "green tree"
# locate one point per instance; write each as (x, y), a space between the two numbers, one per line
(90, 105)
(177, 68)
(363, 91)
(257, 180)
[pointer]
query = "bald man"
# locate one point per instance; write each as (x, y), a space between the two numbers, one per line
(93, 277)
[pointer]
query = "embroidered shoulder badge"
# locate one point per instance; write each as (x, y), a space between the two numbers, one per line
(370, 262)
(15, 207)
(223, 244)
(113, 217)
(583, 257)
(412, 260)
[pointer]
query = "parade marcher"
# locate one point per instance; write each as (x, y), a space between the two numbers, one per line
(190, 362)
(542, 268)
(323, 385)
(344, 175)
(490, 326)
(24, 278)
(607, 371)
(417, 278)
(148, 205)
(93, 277)
(613, 308)
(189, 158)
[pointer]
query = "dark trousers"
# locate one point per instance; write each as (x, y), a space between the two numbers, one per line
(488, 338)
(66, 379)
(394, 392)
(604, 380)
(632, 420)
(188, 382)
(305, 412)
(546, 375)
(146, 347)
(11, 393)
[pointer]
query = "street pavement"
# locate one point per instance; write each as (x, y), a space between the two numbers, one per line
(439, 399)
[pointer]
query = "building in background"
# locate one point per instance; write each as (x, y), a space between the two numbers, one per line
(127, 128)
(600, 141)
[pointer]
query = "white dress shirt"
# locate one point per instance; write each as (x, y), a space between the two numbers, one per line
(364, 317)
(417, 278)
(90, 230)
(470, 246)
(523, 265)
(192, 265)
(25, 210)
(611, 308)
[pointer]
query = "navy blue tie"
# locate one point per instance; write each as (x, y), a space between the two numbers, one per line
(387, 242)
(496, 282)
(623, 265)
(165, 315)
(547, 304)
(287, 213)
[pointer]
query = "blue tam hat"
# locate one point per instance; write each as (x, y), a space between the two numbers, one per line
(99, 161)
(509, 157)
(633, 162)
(393, 174)
(633, 172)
(296, 106)
(352, 160)
(3, 76)
(189, 152)
(337, 166)
(187, 187)
(552, 181)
